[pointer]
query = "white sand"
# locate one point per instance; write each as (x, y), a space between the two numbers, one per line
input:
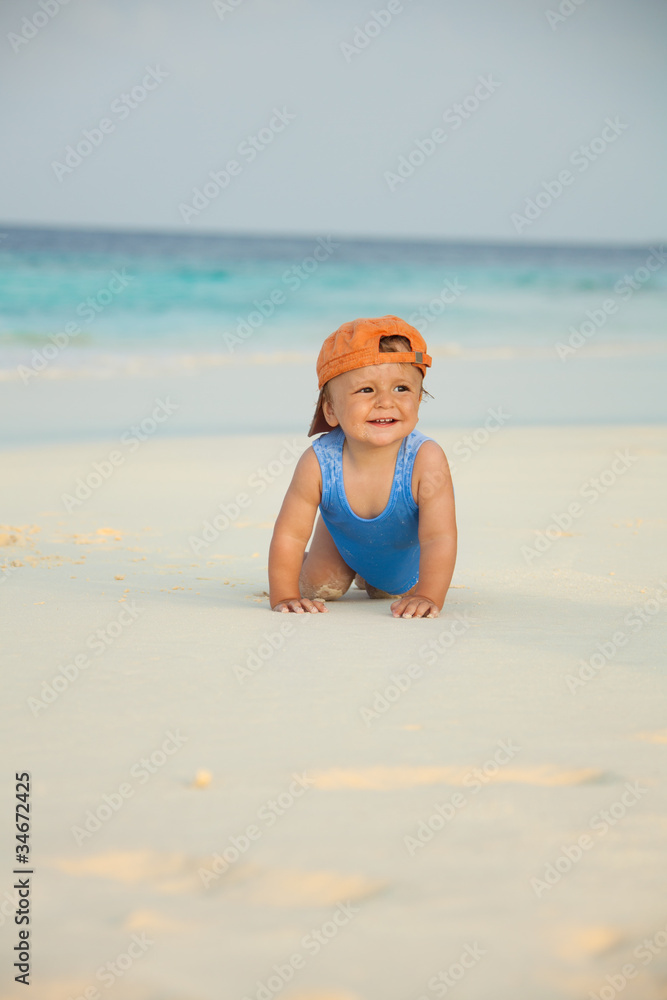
(365, 785)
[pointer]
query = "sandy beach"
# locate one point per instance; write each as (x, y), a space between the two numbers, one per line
(236, 804)
(207, 800)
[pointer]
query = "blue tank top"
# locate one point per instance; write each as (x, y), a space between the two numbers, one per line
(384, 550)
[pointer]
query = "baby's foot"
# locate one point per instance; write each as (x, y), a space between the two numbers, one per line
(377, 593)
(373, 592)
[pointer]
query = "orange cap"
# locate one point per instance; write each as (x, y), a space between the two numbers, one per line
(356, 345)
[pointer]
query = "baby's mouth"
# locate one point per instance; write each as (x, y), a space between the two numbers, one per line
(383, 421)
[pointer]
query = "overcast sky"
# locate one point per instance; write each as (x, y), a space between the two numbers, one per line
(351, 105)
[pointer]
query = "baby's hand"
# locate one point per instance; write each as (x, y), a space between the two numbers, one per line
(415, 606)
(299, 605)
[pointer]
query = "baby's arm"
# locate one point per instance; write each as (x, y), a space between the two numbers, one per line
(437, 535)
(290, 537)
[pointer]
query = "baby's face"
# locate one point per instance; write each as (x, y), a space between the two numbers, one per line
(378, 404)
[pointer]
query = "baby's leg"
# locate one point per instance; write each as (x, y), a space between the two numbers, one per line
(324, 573)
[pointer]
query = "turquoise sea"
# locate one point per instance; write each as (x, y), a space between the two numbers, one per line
(119, 298)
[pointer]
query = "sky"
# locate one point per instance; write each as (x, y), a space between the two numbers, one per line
(499, 120)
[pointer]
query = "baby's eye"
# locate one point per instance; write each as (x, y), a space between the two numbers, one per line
(406, 388)
(366, 388)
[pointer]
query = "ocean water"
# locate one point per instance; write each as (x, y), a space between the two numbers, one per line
(95, 303)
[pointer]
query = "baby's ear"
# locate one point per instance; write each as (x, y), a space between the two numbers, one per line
(329, 415)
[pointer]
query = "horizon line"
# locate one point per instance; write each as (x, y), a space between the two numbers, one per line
(305, 236)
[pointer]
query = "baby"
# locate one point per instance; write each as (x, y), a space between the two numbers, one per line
(384, 490)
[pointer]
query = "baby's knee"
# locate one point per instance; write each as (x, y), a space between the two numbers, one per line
(324, 590)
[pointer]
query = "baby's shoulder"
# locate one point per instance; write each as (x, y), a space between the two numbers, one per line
(431, 475)
(307, 478)
(308, 463)
(430, 456)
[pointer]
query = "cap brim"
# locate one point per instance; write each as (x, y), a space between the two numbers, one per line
(319, 424)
